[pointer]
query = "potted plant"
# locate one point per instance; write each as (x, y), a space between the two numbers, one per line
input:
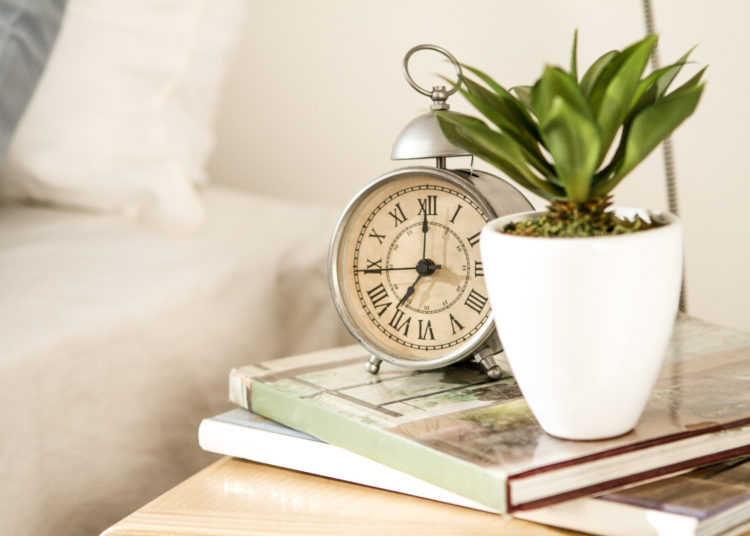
(584, 295)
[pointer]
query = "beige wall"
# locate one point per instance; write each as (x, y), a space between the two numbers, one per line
(317, 98)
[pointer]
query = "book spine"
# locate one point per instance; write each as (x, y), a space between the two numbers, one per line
(240, 389)
(464, 478)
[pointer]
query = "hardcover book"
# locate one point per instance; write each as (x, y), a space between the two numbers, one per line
(246, 435)
(458, 430)
(706, 501)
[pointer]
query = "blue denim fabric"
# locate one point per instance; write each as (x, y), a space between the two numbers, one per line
(28, 29)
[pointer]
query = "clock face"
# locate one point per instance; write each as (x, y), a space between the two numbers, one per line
(408, 266)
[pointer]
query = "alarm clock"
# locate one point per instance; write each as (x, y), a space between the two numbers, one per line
(404, 265)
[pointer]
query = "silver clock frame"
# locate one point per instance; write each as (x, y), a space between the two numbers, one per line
(495, 197)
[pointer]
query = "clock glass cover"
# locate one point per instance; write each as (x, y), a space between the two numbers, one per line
(407, 267)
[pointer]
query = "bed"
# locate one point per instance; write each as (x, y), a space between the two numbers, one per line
(117, 340)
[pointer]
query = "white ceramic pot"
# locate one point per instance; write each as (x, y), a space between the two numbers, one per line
(585, 322)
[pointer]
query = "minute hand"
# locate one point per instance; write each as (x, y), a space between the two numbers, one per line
(378, 270)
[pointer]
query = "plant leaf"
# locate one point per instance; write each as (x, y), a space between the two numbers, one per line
(556, 83)
(650, 127)
(574, 57)
(670, 72)
(693, 82)
(496, 148)
(494, 108)
(655, 85)
(653, 91)
(523, 93)
(518, 113)
(470, 134)
(497, 111)
(595, 70)
(572, 139)
(648, 92)
(613, 91)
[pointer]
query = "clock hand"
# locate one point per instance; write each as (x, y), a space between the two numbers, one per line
(409, 291)
(378, 270)
(424, 267)
(425, 228)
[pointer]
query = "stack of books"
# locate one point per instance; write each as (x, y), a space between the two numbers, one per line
(454, 436)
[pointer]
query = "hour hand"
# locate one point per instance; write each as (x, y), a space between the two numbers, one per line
(409, 291)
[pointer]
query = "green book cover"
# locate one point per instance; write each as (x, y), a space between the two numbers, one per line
(458, 430)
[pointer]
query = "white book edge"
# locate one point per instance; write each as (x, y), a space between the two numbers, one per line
(309, 455)
(237, 433)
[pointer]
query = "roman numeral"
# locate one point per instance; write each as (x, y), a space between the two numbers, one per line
(455, 324)
(374, 267)
(398, 322)
(478, 269)
(453, 219)
(474, 239)
(377, 296)
(427, 331)
(428, 206)
(374, 234)
(475, 301)
(398, 215)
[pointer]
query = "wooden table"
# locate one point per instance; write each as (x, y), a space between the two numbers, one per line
(237, 497)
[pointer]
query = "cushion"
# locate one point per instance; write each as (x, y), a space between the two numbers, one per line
(122, 120)
(27, 31)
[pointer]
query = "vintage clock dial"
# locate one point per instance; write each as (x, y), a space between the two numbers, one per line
(415, 266)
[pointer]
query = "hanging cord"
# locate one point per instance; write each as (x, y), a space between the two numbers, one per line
(669, 167)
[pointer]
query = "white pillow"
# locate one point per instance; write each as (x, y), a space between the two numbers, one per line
(122, 118)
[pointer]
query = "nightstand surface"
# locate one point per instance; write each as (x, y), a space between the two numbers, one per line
(237, 497)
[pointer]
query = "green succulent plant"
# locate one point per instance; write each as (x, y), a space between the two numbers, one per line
(572, 139)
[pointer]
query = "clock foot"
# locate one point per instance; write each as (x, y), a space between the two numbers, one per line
(486, 362)
(373, 365)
